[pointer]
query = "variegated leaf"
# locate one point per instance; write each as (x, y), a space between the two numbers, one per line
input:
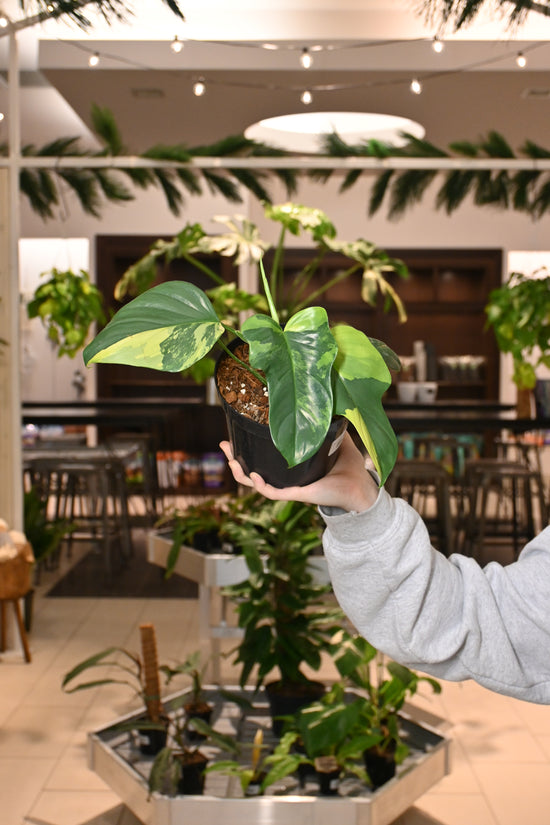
(297, 362)
(360, 379)
(168, 328)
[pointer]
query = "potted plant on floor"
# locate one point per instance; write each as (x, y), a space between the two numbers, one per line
(299, 382)
(519, 314)
(287, 620)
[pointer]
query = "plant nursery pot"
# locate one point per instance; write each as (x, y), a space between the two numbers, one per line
(287, 699)
(151, 741)
(379, 766)
(192, 773)
(202, 711)
(328, 775)
(255, 451)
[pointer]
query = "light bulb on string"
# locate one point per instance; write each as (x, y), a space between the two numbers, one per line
(416, 86)
(306, 59)
(93, 60)
(199, 87)
(3, 22)
(437, 45)
(176, 45)
(306, 97)
(521, 60)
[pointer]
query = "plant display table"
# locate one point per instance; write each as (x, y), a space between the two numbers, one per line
(115, 757)
(212, 571)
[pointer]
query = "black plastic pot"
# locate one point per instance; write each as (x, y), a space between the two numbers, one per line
(380, 766)
(205, 714)
(288, 699)
(192, 774)
(255, 451)
(151, 741)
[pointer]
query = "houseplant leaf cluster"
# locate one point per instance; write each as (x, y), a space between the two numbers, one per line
(519, 314)
(312, 371)
(68, 304)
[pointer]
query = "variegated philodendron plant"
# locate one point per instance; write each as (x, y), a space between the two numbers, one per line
(313, 371)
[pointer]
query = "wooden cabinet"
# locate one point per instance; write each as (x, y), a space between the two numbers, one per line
(445, 297)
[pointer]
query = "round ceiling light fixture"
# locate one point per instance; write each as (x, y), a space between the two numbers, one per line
(302, 132)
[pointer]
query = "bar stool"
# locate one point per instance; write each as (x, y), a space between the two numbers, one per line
(500, 497)
(15, 584)
(91, 496)
(425, 485)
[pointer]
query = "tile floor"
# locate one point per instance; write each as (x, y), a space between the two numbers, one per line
(501, 747)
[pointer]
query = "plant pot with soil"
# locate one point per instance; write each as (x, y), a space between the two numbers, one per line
(309, 372)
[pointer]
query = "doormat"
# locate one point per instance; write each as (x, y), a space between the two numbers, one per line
(137, 579)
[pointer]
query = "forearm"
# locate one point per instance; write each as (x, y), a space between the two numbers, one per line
(447, 617)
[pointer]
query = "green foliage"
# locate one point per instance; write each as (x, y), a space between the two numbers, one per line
(35, 11)
(68, 305)
(519, 314)
(44, 534)
(281, 609)
(460, 13)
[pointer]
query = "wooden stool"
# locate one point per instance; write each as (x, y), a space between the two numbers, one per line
(15, 584)
(20, 625)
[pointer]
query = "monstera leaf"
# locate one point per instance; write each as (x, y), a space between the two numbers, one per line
(297, 361)
(360, 378)
(169, 328)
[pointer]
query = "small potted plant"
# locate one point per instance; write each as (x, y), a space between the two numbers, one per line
(138, 673)
(308, 374)
(330, 737)
(195, 705)
(385, 685)
(180, 767)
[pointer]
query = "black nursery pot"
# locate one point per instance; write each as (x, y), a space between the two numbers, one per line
(255, 451)
(152, 741)
(287, 700)
(380, 767)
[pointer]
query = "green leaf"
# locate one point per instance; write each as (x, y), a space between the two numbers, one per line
(361, 377)
(297, 362)
(169, 328)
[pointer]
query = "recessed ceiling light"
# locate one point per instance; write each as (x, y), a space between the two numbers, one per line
(302, 132)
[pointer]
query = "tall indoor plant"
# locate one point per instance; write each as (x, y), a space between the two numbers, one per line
(310, 371)
(519, 314)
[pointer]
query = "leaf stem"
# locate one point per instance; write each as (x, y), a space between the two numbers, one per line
(238, 360)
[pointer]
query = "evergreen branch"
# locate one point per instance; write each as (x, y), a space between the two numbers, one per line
(30, 185)
(111, 187)
(38, 11)
(541, 203)
(173, 196)
(84, 185)
(350, 179)
(522, 185)
(221, 184)
(458, 184)
(105, 127)
(408, 189)
(379, 190)
(252, 181)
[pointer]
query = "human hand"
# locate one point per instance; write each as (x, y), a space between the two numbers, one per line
(348, 485)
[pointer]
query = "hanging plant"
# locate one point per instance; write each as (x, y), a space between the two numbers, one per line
(68, 304)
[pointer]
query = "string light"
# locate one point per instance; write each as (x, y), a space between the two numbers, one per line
(306, 97)
(437, 45)
(3, 22)
(199, 87)
(306, 59)
(176, 45)
(416, 86)
(1, 116)
(521, 60)
(93, 60)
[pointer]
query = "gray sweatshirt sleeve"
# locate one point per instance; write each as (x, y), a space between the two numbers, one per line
(444, 616)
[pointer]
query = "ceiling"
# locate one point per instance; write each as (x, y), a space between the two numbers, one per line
(473, 86)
